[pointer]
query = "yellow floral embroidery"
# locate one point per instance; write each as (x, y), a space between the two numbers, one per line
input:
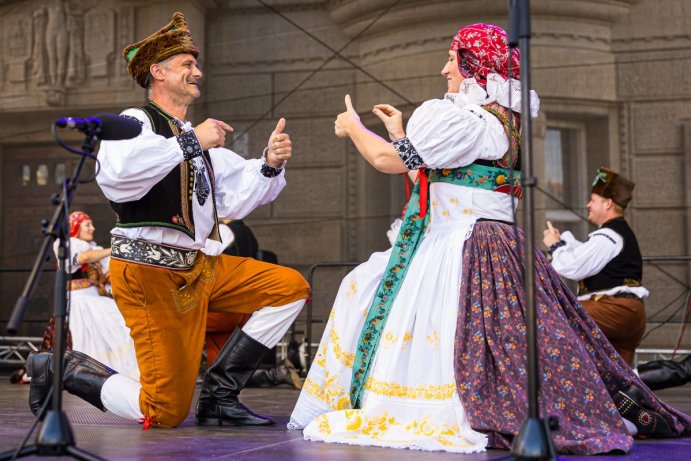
(435, 204)
(320, 358)
(352, 289)
(454, 200)
(467, 211)
(377, 426)
(433, 339)
(331, 392)
(389, 339)
(324, 427)
(445, 213)
(353, 420)
(391, 389)
(196, 279)
(407, 337)
(343, 356)
(428, 428)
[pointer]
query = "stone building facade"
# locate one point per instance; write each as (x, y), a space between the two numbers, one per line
(614, 79)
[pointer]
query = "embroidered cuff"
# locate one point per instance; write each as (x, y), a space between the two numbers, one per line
(406, 150)
(189, 144)
(552, 248)
(269, 171)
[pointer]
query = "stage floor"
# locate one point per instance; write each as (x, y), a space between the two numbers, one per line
(112, 438)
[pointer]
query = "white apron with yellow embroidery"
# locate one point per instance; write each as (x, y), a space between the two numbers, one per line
(410, 399)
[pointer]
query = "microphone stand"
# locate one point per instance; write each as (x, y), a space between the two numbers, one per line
(55, 437)
(533, 442)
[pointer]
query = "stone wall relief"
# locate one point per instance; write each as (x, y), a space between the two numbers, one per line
(56, 45)
(100, 30)
(17, 46)
(60, 48)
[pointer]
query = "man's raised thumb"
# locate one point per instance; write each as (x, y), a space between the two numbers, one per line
(349, 104)
(280, 126)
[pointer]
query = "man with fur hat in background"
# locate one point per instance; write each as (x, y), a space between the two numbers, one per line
(608, 266)
(169, 186)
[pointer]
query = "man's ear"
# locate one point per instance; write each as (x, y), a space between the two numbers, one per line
(157, 72)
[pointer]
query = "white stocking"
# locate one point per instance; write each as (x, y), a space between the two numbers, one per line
(120, 394)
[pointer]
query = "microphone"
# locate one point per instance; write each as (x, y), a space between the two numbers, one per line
(108, 127)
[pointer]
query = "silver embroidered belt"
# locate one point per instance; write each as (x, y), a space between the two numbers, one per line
(152, 254)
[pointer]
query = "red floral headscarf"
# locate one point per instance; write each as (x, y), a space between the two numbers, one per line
(483, 49)
(76, 220)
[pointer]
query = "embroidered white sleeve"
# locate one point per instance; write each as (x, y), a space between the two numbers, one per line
(577, 261)
(131, 167)
(447, 136)
(240, 185)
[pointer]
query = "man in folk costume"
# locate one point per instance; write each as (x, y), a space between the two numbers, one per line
(169, 186)
(608, 266)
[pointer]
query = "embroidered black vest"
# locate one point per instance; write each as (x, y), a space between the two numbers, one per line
(169, 202)
(625, 269)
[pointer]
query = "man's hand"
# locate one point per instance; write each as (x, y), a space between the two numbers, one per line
(344, 121)
(551, 235)
(280, 147)
(392, 118)
(212, 133)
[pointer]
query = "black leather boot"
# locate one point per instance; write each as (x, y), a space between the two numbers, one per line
(661, 374)
(283, 373)
(649, 423)
(84, 377)
(225, 378)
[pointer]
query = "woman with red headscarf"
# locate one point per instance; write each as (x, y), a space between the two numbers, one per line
(95, 322)
(425, 347)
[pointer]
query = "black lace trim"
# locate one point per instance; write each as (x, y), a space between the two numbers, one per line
(552, 248)
(269, 171)
(189, 144)
(133, 118)
(202, 189)
(406, 150)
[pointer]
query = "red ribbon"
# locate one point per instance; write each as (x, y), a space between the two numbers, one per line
(146, 422)
(424, 190)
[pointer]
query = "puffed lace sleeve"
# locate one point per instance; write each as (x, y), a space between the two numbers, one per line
(442, 135)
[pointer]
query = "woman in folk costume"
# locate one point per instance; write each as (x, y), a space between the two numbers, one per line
(96, 325)
(425, 346)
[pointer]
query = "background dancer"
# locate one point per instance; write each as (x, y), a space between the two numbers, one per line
(608, 266)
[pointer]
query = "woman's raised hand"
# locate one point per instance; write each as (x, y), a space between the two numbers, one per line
(392, 118)
(345, 120)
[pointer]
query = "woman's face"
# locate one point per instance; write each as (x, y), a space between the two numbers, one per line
(86, 231)
(452, 73)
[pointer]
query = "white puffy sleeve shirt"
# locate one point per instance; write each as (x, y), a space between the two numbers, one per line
(579, 260)
(130, 168)
(448, 136)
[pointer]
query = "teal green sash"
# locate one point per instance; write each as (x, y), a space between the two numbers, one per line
(479, 177)
(409, 238)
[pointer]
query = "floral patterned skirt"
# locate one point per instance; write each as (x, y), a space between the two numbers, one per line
(579, 369)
